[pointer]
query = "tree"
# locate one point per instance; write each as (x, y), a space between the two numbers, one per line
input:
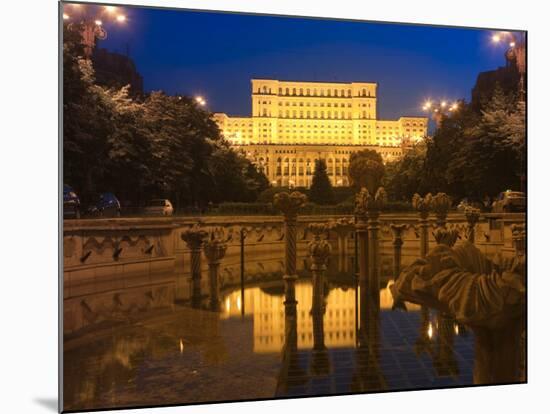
(366, 169)
(321, 189)
(404, 177)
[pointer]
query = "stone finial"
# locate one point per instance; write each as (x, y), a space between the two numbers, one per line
(445, 236)
(319, 249)
(518, 238)
(194, 237)
(214, 249)
(422, 204)
(289, 204)
(342, 225)
(441, 204)
(472, 215)
(367, 203)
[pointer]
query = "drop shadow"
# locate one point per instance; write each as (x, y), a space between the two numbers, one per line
(49, 403)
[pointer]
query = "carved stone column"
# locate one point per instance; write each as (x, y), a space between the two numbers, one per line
(472, 217)
(397, 230)
(194, 238)
(423, 206)
(290, 204)
(374, 205)
(214, 250)
(518, 239)
(319, 251)
(362, 235)
(441, 203)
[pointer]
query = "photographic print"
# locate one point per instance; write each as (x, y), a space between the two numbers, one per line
(261, 207)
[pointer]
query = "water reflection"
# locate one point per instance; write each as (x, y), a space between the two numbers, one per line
(332, 339)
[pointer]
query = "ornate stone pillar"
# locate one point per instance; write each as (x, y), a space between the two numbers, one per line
(342, 228)
(362, 235)
(373, 205)
(319, 251)
(194, 238)
(472, 217)
(290, 204)
(214, 250)
(441, 203)
(423, 206)
(397, 230)
(518, 239)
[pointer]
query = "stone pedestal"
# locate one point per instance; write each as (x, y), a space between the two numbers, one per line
(319, 251)
(194, 239)
(214, 250)
(472, 217)
(397, 230)
(289, 205)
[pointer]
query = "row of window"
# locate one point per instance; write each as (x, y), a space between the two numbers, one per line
(314, 92)
(315, 115)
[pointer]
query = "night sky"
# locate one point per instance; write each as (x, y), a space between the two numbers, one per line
(216, 54)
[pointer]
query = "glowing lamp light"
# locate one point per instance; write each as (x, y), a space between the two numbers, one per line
(496, 38)
(98, 22)
(443, 104)
(65, 16)
(430, 330)
(121, 18)
(110, 9)
(512, 44)
(181, 346)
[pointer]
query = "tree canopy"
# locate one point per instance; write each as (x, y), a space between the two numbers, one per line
(143, 148)
(366, 169)
(321, 191)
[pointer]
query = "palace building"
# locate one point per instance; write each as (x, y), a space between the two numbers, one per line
(295, 123)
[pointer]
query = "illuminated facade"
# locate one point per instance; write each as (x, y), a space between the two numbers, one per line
(295, 123)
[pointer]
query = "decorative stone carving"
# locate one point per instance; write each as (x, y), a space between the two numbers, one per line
(319, 249)
(441, 204)
(472, 217)
(464, 284)
(448, 237)
(290, 204)
(397, 230)
(518, 238)
(423, 206)
(194, 238)
(214, 250)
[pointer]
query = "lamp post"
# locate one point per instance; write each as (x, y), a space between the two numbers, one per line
(88, 21)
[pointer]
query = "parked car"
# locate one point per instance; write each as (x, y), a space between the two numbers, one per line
(71, 203)
(107, 205)
(510, 201)
(159, 207)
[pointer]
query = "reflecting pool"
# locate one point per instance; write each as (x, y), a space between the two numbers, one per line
(259, 345)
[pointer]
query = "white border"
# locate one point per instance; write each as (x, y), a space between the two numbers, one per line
(28, 206)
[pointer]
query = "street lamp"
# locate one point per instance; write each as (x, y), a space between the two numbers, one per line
(88, 21)
(439, 108)
(200, 100)
(514, 53)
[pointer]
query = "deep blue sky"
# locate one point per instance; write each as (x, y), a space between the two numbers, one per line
(216, 55)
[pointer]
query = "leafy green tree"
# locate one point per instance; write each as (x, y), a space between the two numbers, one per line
(158, 146)
(321, 191)
(366, 169)
(404, 177)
